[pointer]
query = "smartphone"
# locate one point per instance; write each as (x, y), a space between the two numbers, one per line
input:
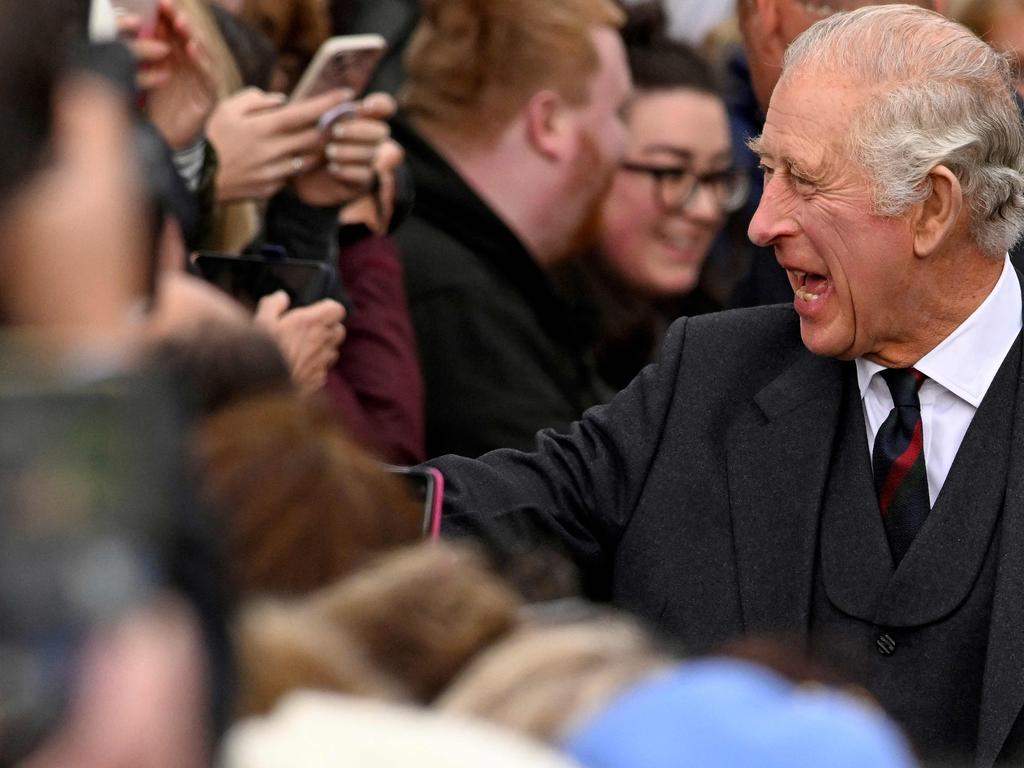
(347, 61)
(84, 517)
(427, 486)
(250, 277)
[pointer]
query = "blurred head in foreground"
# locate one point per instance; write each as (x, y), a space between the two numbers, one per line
(400, 629)
(724, 713)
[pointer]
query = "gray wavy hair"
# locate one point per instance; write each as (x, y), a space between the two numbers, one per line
(944, 98)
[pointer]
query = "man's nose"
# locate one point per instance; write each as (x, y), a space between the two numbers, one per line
(772, 219)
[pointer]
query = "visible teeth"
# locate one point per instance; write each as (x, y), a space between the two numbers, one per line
(799, 275)
(806, 295)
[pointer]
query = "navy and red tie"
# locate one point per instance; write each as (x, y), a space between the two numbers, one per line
(898, 462)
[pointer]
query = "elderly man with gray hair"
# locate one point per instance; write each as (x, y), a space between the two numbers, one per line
(768, 27)
(847, 471)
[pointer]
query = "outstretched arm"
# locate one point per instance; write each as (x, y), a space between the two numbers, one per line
(576, 490)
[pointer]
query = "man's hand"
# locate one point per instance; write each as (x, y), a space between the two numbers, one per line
(308, 337)
(262, 141)
(347, 169)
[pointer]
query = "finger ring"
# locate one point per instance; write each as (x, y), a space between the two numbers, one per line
(297, 164)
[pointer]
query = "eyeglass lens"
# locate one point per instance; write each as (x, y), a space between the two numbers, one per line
(677, 189)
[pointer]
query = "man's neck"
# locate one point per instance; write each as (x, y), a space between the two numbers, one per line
(951, 296)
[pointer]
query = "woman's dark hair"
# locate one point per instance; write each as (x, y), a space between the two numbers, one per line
(656, 61)
(220, 364)
(253, 51)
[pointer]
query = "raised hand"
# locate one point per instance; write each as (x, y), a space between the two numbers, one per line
(308, 337)
(186, 91)
(347, 169)
(262, 141)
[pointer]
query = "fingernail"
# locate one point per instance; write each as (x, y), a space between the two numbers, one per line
(331, 152)
(334, 168)
(339, 131)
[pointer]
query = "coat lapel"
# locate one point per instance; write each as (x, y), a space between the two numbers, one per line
(856, 563)
(777, 460)
(1003, 689)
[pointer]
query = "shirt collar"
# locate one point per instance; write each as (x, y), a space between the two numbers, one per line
(967, 360)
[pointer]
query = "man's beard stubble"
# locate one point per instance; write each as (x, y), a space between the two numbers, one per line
(590, 179)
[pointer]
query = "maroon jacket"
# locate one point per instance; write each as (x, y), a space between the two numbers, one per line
(376, 384)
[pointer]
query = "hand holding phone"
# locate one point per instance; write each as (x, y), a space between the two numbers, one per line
(351, 155)
(308, 337)
(262, 141)
(250, 277)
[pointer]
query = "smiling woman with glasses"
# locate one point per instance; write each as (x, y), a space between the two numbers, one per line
(668, 202)
(675, 186)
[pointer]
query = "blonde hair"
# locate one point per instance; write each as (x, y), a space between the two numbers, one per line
(280, 647)
(547, 676)
(400, 629)
(235, 224)
(423, 612)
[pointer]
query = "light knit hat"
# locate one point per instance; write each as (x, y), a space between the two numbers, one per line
(311, 729)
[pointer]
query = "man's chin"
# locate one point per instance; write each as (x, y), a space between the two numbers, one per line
(822, 341)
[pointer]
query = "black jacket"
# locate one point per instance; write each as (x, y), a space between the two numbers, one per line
(502, 353)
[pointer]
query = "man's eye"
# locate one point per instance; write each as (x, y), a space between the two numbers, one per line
(802, 185)
(766, 170)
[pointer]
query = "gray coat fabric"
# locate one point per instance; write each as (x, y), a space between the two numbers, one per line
(696, 498)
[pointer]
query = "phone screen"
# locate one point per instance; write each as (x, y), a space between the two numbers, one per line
(250, 278)
(427, 486)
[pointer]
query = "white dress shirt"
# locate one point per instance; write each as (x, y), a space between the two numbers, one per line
(959, 370)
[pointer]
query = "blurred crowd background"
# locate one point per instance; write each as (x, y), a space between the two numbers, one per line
(211, 552)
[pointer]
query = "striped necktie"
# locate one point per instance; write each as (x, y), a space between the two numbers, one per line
(898, 462)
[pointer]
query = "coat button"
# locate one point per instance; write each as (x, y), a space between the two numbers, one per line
(885, 644)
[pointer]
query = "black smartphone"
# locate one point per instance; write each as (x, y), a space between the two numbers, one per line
(250, 277)
(427, 486)
(83, 521)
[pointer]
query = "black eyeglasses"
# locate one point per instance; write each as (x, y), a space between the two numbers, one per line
(674, 187)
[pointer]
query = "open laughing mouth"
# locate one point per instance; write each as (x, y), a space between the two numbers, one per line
(808, 286)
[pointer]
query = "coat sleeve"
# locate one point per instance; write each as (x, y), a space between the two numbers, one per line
(576, 491)
(376, 385)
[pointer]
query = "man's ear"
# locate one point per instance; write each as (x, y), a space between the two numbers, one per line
(547, 124)
(934, 219)
(767, 17)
